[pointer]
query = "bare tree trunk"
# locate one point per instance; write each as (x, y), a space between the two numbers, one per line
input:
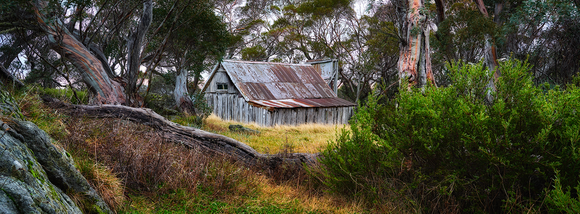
(182, 100)
(490, 51)
(94, 75)
(134, 45)
(414, 58)
(188, 136)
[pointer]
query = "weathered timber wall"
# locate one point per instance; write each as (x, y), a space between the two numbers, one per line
(234, 107)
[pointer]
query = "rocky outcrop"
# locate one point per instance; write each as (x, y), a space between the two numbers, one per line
(38, 177)
(24, 183)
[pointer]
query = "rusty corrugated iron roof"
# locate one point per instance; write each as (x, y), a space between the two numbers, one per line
(276, 81)
(302, 103)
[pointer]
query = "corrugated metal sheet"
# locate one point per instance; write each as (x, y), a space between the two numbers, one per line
(304, 103)
(277, 81)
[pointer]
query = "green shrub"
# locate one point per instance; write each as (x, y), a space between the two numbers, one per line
(561, 200)
(451, 149)
(67, 95)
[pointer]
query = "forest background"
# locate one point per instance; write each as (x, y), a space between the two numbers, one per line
(153, 54)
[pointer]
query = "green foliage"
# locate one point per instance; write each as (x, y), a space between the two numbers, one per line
(202, 110)
(67, 95)
(322, 7)
(200, 105)
(462, 35)
(561, 200)
(550, 30)
(196, 38)
(255, 53)
(449, 144)
(347, 166)
(160, 97)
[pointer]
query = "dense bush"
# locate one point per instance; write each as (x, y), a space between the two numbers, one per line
(449, 149)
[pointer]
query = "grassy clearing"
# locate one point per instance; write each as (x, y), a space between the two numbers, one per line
(136, 171)
(308, 138)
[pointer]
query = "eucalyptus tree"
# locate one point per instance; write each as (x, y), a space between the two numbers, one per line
(543, 32)
(73, 31)
(193, 39)
(414, 30)
(546, 33)
(245, 21)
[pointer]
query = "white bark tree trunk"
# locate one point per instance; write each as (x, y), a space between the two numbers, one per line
(490, 51)
(135, 45)
(182, 100)
(414, 57)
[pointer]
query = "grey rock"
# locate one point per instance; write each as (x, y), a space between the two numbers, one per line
(6, 204)
(34, 174)
(24, 185)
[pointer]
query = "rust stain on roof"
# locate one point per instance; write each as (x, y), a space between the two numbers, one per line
(301, 103)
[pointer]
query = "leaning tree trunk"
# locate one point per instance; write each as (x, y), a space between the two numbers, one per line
(134, 45)
(414, 57)
(182, 100)
(94, 75)
(190, 137)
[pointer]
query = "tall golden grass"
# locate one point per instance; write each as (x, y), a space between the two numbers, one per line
(307, 138)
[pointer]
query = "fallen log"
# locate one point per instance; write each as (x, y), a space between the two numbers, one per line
(188, 136)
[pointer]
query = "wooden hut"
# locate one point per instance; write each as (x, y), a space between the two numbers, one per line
(273, 94)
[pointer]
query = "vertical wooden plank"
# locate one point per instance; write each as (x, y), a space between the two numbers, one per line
(232, 107)
(250, 113)
(235, 108)
(263, 118)
(215, 104)
(282, 114)
(283, 117)
(240, 109)
(294, 116)
(300, 116)
(247, 112)
(219, 106)
(335, 118)
(287, 117)
(259, 118)
(228, 107)
(341, 117)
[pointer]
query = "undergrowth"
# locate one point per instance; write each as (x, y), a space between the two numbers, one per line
(453, 150)
(136, 171)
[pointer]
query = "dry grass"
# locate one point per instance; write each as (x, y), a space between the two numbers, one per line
(154, 172)
(106, 183)
(307, 138)
(136, 171)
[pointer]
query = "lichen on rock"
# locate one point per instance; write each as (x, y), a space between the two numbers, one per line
(35, 174)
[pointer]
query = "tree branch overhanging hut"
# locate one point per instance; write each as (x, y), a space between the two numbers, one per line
(273, 94)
